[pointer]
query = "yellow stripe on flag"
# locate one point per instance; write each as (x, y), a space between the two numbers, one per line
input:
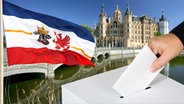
(79, 49)
(25, 32)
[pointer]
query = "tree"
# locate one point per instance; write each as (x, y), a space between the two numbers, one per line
(157, 34)
(89, 29)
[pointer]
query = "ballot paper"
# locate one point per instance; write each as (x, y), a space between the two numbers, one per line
(137, 77)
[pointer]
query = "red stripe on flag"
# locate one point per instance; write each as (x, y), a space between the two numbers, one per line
(18, 55)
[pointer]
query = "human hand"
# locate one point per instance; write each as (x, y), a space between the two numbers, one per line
(168, 46)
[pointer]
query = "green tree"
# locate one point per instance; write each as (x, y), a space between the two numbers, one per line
(89, 29)
(158, 34)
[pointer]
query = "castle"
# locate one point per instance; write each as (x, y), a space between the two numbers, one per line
(133, 32)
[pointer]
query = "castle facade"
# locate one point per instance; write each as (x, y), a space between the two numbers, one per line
(132, 32)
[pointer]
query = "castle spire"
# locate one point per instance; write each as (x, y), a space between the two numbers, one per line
(102, 11)
(127, 6)
(127, 10)
(94, 25)
(117, 7)
(162, 17)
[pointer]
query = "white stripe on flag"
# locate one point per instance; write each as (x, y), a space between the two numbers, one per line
(30, 41)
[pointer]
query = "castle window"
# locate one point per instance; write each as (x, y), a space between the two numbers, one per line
(147, 32)
(127, 30)
(147, 28)
(115, 32)
(115, 24)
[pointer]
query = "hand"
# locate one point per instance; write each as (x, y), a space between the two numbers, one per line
(168, 46)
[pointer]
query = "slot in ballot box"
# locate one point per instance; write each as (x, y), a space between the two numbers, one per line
(98, 89)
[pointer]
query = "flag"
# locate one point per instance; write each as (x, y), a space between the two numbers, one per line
(38, 38)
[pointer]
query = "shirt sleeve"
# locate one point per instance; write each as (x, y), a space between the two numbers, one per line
(179, 31)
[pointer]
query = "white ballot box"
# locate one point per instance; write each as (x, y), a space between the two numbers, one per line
(98, 90)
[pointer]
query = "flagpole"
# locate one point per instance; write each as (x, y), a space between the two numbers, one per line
(50, 81)
(50, 71)
(1, 55)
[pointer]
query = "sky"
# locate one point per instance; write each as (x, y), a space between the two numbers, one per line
(87, 12)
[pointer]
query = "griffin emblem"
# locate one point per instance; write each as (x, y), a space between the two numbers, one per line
(60, 42)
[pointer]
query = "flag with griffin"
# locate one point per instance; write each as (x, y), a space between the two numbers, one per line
(38, 38)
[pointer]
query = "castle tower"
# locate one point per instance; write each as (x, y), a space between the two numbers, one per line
(100, 30)
(116, 28)
(127, 27)
(163, 25)
(117, 15)
(102, 22)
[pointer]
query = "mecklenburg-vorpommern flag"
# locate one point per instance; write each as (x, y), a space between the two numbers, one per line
(38, 38)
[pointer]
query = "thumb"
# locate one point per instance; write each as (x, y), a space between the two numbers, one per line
(159, 63)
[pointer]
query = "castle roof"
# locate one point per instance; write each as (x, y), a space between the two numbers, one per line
(117, 10)
(127, 12)
(135, 18)
(102, 11)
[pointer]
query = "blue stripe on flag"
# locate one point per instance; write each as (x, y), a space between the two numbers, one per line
(11, 9)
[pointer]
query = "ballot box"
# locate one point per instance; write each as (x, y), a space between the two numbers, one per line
(98, 89)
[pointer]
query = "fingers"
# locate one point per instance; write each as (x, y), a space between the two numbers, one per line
(155, 51)
(168, 46)
(153, 46)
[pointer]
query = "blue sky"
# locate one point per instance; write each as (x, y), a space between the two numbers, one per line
(87, 11)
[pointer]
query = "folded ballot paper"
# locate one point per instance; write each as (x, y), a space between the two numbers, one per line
(137, 77)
